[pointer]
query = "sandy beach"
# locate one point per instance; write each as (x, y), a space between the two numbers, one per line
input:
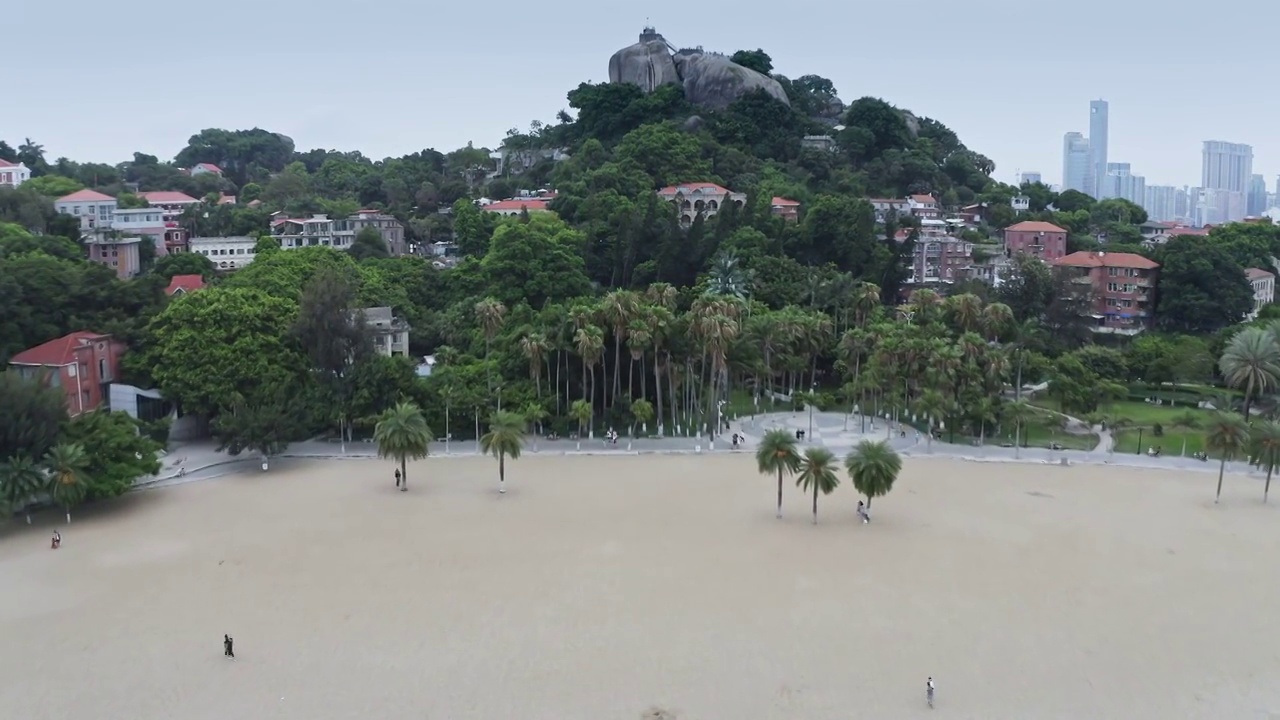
(598, 587)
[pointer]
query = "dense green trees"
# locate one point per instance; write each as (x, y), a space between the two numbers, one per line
(1202, 289)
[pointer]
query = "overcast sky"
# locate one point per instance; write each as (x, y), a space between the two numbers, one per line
(96, 81)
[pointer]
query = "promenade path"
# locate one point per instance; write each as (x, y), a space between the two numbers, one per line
(836, 431)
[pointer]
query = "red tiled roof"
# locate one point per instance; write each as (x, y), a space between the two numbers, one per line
(6, 163)
(85, 196)
(785, 202)
(185, 283)
(1257, 274)
(226, 199)
(166, 197)
(924, 198)
(55, 352)
(1173, 232)
(692, 187)
(1035, 226)
(210, 167)
(530, 204)
(1085, 258)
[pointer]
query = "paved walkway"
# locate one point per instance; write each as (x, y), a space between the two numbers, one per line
(836, 431)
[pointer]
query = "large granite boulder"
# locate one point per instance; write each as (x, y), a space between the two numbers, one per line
(647, 63)
(709, 80)
(715, 81)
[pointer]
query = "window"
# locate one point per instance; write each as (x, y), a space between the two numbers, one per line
(102, 368)
(1113, 271)
(1113, 287)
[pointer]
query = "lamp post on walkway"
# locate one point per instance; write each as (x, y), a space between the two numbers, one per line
(812, 392)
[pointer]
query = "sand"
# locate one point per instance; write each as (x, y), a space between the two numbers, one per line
(599, 587)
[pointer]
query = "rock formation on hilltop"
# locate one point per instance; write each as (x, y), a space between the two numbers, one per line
(710, 80)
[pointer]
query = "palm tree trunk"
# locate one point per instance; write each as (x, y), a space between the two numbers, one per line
(815, 503)
(868, 503)
(779, 493)
(1221, 468)
(404, 474)
(1266, 489)
(502, 473)
(631, 376)
(657, 389)
(617, 363)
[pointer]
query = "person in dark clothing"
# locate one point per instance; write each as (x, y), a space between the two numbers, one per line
(226, 647)
(397, 477)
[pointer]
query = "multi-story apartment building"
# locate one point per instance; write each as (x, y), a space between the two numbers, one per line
(1264, 289)
(885, 206)
(121, 254)
(1037, 239)
(226, 253)
(940, 259)
(322, 231)
(390, 333)
(1122, 183)
(81, 364)
(700, 198)
(1160, 202)
(95, 210)
(149, 223)
(13, 174)
(1122, 288)
(786, 209)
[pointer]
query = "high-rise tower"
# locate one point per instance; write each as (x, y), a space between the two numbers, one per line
(1076, 173)
(1098, 110)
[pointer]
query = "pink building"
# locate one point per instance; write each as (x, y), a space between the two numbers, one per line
(1037, 239)
(82, 364)
(118, 253)
(1122, 286)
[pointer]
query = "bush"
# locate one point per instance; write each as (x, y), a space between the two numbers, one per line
(1157, 430)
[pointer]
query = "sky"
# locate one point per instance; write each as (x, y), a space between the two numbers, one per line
(390, 77)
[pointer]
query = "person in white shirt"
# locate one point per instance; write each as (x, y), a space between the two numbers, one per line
(929, 690)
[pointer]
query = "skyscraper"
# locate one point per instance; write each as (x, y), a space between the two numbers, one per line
(1256, 203)
(1162, 203)
(1075, 164)
(1227, 169)
(1098, 145)
(1120, 182)
(1029, 176)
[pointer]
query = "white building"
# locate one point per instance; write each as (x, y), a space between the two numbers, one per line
(95, 210)
(323, 231)
(1264, 289)
(390, 333)
(172, 202)
(699, 198)
(226, 253)
(13, 174)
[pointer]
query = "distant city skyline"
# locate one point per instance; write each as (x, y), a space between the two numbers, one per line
(399, 94)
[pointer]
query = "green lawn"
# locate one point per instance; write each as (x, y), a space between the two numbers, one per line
(1145, 416)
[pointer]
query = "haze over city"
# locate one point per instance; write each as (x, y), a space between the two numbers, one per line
(390, 77)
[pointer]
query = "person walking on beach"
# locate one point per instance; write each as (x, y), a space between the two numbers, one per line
(226, 647)
(397, 477)
(863, 513)
(928, 690)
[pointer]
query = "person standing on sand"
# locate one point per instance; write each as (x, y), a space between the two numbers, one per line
(397, 477)
(226, 647)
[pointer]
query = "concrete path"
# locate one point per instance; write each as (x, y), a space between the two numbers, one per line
(840, 433)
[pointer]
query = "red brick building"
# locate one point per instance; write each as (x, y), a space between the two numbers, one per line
(1122, 285)
(1037, 239)
(82, 364)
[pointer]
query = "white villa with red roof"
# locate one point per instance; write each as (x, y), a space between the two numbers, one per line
(95, 210)
(206, 169)
(699, 198)
(172, 202)
(515, 206)
(13, 174)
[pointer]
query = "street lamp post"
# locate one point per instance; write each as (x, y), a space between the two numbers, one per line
(812, 391)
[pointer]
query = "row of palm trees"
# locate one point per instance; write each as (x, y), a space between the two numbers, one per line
(61, 476)
(685, 363)
(872, 466)
(401, 433)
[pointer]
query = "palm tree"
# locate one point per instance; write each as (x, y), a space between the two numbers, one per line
(490, 312)
(20, 480)
(68, 484)
(1266, 450)
(1185, 421)
(535, 347)
(581, 411)
(1229, 435)
(727, 277)
(873, 467)
(534, 414)
(641, 410)
(996, 319)
(777, 454)
(818, 469)
(932, 406)
(866, 297)
(1251, 362)
(965, 311)
(505, 437)
(590, 343)
(402, 433)
(1019, 411)
(619, 309)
